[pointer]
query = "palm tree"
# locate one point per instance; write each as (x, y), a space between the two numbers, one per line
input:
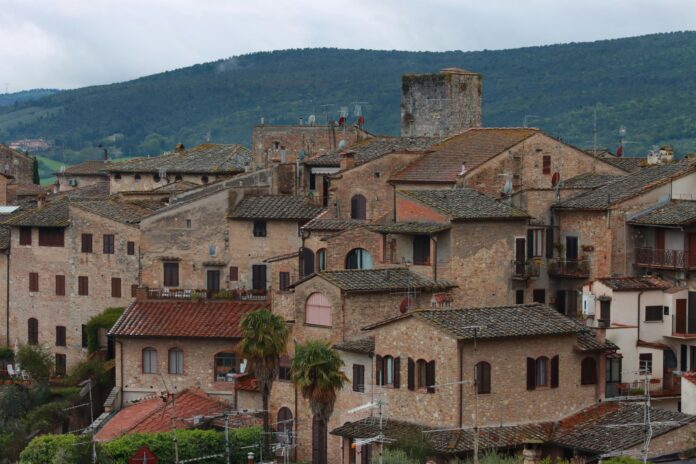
(316, 371)
(264, 336)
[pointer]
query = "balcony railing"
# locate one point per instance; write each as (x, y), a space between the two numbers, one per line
(668, 386)
(664, 259)
(572, 269)
(204, 294)
(523, 270)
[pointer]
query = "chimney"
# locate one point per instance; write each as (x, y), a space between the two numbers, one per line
(41, 200)
(347, 160)
(180, 147)
(463, 171)
(141, 293)
(4, 194)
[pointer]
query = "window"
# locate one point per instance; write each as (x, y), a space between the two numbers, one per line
(653, 313)
(51, 236)
(85, 337)
(25, 235)
(33, 331)
(421, 249)
(213, 280)
(259, 228)
(115, 287)
(33, 281)
(388, 370)
(225, 366)
(83, 285)
(60, 336)
(645, 362)
(258, 276)
(358, 207)
(60, 364)
(188, 223)
(108, 241)
(284, 281)
(605, 312)
(176, 361)
(117, 177)
(358, 378)
(156, 177)
(421, 374)
(234, 273)
(483, 378)
(134, 290)
(539, 295)
(136, 177)
(358, 258)
(519, 296)
(318, 310)
(204, 179)
(306, 262)
(546, 165)
(150, 361)
(285, 426)
(613, 370)
(178, 177)
(171, 274)
(535, 242)
(284, 372)
(542, 372)
(321, 259)
(588, 371)
(86, 243)
(130, 247)
(571, 248)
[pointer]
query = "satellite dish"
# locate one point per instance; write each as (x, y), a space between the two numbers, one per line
(341, 144)
(555, 179)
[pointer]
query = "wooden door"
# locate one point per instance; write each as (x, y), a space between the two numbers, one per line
(258, 276)
(571, 249)
(213, 281)
(680, 325)
(520, 255)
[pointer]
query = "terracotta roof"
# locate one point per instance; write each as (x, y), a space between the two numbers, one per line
(54, 214)
(375, 280)
(588, 180)
(28, 189)
(96, 190)
(465, 204)
(207, 158)
(176, 187)
(86, 168)
(627, 163)
(373, 148)
(119, 211)
(332, 225)
(364, 345)
(495, 322)
(654, 345)
(473, 146)
(180, 318)
(631, 283)
(154, 415)
(7, 151)
(627, 187)
(690, 376)
(247, 383)
(587, 342)
(411, 228)
(277, 207)
(674, 213)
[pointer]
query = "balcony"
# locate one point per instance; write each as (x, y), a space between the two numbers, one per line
(664, 259)
(569, 269)
(524, 270)
(670, 385)
(203, 294)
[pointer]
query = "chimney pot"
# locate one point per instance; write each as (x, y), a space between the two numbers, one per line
(347, 160)
(180, 147)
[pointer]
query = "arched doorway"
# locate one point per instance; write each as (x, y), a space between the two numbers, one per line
(285, 428)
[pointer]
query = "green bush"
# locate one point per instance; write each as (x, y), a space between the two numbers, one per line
(621, 460)
(44, 417)
(49, 449)
(105, 320)
(6, 354)
(37, 361)
(494, 457)
(392, 456)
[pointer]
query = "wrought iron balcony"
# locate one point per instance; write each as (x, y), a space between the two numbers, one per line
(204, 294)
(570, 269)
(523, 270)
(664, 259)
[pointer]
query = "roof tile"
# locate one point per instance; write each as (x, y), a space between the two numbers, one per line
(373, 148)
(465, 204)
(202, 159)
(275, 207)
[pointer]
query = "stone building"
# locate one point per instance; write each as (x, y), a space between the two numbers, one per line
(69, 260)
(440, 104)
(16, 164)
(81, 175)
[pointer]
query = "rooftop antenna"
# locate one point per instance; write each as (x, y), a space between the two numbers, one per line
(165, 398)
(326, 107)
(380, 437)
(527, 117)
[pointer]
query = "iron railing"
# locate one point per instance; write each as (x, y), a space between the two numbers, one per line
(666, 259)
(574, 269)
(525, 269)
(204, 294)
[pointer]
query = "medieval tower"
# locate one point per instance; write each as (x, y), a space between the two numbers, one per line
(441, 104)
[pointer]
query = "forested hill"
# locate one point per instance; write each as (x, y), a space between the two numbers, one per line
(643, 83)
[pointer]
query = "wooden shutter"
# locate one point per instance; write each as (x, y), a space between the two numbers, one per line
(25, 235)
(379, 368)
(60, 335)
(483, 377)
(60, 285)
(411, 373)
(284, 281)
(397, 372)
(546, 167)
(549, 242)
(131, 248)
(116, 287)
(530, 243)
(171, 274)
(86, 243)
(258, 272)
(430, 376)
(554, 372)
(531, 374)
(358, 377)
(234, 273)
(134, 290)
(33, 331)
(33, 281)
(83, 285)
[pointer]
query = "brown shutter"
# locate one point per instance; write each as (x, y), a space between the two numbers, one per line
(531, 374)
(131, 248)
(25, 235)
(60, 285)
(549, 242)
(33, 281)
(134, 290)
(378, 368)
(554, 372)
(83, 285)
(116, 287)
(234, 273)
(430, 376)
(397, 372)
(530, 243)
(411, 374)
(355, 378)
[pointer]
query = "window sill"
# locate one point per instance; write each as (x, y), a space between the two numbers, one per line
(318, 326)
(653, 322)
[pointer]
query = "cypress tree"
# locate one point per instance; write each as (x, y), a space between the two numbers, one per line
(36, 178)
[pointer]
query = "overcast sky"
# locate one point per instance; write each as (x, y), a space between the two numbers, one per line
(73, 43)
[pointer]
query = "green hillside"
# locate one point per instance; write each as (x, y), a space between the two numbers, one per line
(643, 83)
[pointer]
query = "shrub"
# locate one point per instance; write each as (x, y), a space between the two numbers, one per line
(392, 456)
(48, 449)
(622, 460)
(105, 320)
(37, 361)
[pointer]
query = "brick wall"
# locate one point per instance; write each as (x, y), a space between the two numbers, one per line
(17, 164)
(126, 182)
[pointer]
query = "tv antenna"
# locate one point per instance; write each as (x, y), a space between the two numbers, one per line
(380, 437)
(527, 117)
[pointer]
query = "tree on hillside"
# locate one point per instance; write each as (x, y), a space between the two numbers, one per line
(316, 371)
(264, 336)
(35, 176)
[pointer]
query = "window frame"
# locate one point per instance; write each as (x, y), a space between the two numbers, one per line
(588, 371)
(87, 243)
(538, 243)
(52, 237)
(109, 244)
(260, 228)
(83, 285)
(61, 362)
(421, 375)
(542, 377)
(61, 336)
(358, 207)
(32, 331)
(319, 318)
(654, 313)
(283, 281)
(285, 368)
(33, 282)
(148, 367)
(546, 164)
(483, 384)
(219, 367)
(170, 279)
(25, 235)
(178, 368)
(130, 248)
(645, 359)
(358, 378)
(116, 287)
(360, 259)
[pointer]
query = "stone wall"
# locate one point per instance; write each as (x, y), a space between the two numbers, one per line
(17, 164)
(138, 182)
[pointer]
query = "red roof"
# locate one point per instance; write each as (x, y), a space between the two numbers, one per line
(154, 415)
(177, 318)
(473, 146)
(247, 383)
(632, 283)
(690, 376)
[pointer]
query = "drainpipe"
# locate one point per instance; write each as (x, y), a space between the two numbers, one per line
(434, 240)
(7, 299)
(639, 295)
(393, 202)
(461, 383)
(121, 369)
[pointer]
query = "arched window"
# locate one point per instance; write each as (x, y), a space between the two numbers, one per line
(421, 373)
(178, 177)
(483, 378)
(358, 207)
(307, 257)
(285, 426)
(150, 361)
(321, 259)
(318, 310)
(588, 371)
(176, 361)
(33, 331)
(358, 258)
(225, 366)
(542, 373)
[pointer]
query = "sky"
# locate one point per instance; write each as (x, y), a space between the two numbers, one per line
(74, 43)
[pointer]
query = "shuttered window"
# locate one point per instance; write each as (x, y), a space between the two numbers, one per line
(134, 290)
(284, 281)
(176, 361)
(33, 331)
(588, 371)
(234, 273)
(284, 368)
(554, 372)
(60, 335)
(318, 310)
(171, 274)
(108, 241)
(33, 281)
(25, 235)
(258, 276)
(130, 246)
(483, 378)
(358, 207)
(653, 313)
(546, 167)
(60, 285)
(535, 243)
(421, 249)
(542, 372)
(358, 378)
(115, 287)
(83, 285)
(259, 228)
(87, 243)
(61, 363)
(51, 236)
(430, 376)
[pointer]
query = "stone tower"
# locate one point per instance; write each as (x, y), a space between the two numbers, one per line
(442, 104)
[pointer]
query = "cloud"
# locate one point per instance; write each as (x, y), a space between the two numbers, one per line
(72, 43)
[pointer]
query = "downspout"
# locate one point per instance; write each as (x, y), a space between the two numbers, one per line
(639, 295)
(434, 240)
(296, 417)
(393, 202)
(7, 298)
(121, 369)
(460, 348)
